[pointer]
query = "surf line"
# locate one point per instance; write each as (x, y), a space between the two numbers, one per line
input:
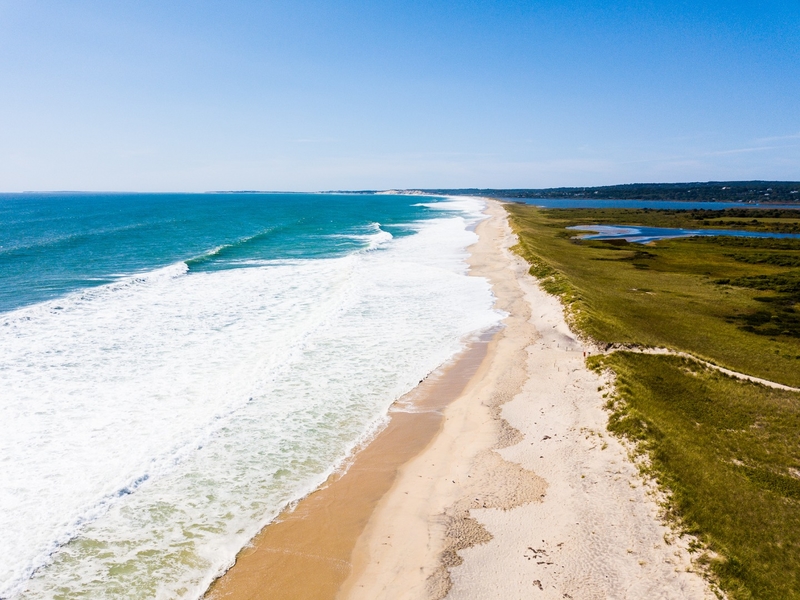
(318, 534)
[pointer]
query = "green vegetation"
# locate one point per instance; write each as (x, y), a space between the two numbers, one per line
(705, 296)
(727, 450)
(708, 191)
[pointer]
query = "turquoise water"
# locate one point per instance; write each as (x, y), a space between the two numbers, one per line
(176, 369)
(51, 244)
(643, 235)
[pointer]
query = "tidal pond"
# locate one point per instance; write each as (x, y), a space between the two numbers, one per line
(644, 235)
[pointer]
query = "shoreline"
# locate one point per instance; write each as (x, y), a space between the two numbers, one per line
(524, 493)
(317, 534)
(427, 512)
(513, 487)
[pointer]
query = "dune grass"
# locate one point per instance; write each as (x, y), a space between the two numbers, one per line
(726, 450)
(729, 452)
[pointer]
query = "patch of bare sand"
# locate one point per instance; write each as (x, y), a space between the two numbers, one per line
(522, 494)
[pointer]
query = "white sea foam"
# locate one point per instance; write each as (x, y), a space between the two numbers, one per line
(376, 237)
(153, 425)
(454, 204)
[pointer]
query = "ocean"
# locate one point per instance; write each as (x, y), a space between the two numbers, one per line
(175, 369)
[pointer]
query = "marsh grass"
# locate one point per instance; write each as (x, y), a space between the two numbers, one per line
(727, 451)
(731, 301)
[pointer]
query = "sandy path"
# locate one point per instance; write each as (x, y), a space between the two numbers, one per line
(522, 494)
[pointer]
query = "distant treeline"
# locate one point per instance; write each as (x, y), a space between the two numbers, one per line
(710, 191)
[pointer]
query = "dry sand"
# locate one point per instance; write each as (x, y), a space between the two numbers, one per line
(522, 494)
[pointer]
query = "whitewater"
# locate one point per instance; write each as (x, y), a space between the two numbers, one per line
(154, 421)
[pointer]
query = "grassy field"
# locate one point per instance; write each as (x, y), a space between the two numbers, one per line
(727, 450)
(728, 300)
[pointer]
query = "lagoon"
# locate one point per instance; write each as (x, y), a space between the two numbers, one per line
(644, 235)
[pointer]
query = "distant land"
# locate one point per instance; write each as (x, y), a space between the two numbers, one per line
(710, 191)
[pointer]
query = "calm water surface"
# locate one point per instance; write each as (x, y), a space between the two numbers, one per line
(643, 235)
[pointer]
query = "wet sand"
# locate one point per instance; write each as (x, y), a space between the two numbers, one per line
(306, 552)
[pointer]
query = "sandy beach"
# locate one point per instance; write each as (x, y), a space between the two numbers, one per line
(496, 479)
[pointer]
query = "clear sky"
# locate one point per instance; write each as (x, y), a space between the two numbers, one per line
(171, 95)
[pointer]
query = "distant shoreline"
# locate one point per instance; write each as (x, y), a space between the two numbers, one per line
(762, 192)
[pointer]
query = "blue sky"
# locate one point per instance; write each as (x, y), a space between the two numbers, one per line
(175, 95)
